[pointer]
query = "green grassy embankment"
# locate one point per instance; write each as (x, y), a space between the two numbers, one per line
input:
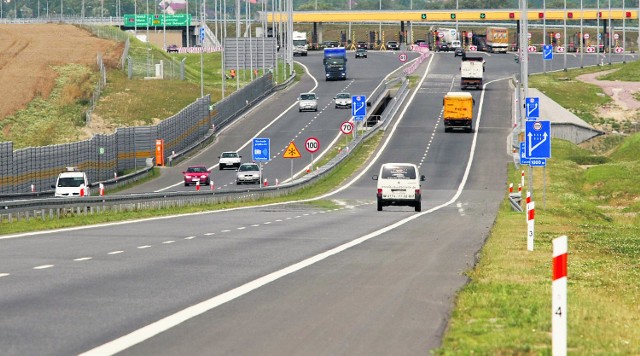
(592, 197)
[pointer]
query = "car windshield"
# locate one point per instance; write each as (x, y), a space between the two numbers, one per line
(229, 155)
(70, 182)
(399, 172)
(343, 96)
(196, 169)
(248, 167)
(307, 97)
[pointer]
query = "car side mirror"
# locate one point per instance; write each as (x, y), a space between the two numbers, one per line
(53, 186)
(375, 177)
(422, 178)
(184, 172)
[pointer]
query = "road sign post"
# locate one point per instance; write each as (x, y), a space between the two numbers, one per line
(346, 128)
(260, 149)
(358, 109)
(291, 152)
(312, 145)
(559, 296)
(547, 52)
(538, 139)
(532, 104)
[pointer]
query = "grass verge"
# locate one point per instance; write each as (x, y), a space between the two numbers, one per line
(335, 179)
(506, 308)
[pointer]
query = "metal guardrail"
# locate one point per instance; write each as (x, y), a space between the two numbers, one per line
(515, 199)
(51, 208)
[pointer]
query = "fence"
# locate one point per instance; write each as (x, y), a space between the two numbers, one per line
(128, 148)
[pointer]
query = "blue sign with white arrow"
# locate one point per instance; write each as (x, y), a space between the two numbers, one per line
(547, 52)
(260, 149)
(538, 139)
(532, 108)
(358, 107)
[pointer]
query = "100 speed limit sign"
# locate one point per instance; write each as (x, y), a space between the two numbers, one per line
(312, 144)
(346, 127)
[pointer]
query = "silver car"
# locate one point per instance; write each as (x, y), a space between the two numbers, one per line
(308, 102)
(248, 173)
(343, 100)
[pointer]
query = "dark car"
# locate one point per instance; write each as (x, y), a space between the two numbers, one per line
(195, 174)
(393, 46)
(361, 44)
(459, 51)
(443, 47)
(330, 44)
(172, 49)
(361, 53)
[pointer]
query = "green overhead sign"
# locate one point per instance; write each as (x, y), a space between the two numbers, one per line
(142, 20)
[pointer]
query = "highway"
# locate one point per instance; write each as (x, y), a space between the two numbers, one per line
(296, 278)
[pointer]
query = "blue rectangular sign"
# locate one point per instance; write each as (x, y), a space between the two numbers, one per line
(547, 52)
(537, 137)
(537, 162)
(532, 108)
(359, 105)
(523, 154)
(260, 149)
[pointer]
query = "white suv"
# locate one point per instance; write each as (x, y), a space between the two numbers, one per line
(229, 159)
(308, 102)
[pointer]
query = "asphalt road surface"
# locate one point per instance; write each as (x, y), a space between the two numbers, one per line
(296, 278)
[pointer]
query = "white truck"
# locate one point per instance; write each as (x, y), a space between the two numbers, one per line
(72, 183)
(449, 36)
(471, 72)
(300, 45)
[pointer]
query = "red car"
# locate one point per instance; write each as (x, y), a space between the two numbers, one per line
(196, 173)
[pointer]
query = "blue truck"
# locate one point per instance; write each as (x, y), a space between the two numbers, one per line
(335, 63)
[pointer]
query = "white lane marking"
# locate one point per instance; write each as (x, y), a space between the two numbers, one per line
(4, 274)
(225, 230)
(278, 220)
(168, 242)
(115, 252)
(249, 142)
(209, 233)
(143, 247)
(43, 267)
(241, 228)
(189, 237)
(255, 225)
(171, 321)
(267, 223)
(82, 259)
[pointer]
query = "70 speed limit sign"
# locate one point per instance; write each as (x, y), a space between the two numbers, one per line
(312, 144)
(346, 127)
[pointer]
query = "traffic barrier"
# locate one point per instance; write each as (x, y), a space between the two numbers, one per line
(198, 185)
(101, 189)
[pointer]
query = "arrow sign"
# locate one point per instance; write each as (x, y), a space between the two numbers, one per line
(538, 139)
(359, 105)
(532, 105)
(547, 52)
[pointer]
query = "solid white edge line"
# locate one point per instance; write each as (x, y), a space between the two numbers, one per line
(171, 321)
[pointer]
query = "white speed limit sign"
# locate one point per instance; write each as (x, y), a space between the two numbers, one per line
(346, 127)
(312, 144)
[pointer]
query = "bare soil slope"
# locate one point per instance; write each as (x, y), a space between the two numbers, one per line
(28, 53)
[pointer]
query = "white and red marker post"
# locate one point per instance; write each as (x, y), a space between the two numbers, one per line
(559, 297)
(510, 188)
(531, 212)
(522, 178)
(101, 189)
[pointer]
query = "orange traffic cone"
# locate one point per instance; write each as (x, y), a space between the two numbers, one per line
(101, 189)
(198, 185)
(266, 183)
(211, 184)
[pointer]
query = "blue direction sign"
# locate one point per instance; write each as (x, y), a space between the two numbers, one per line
(523, 154)
(537, 137)
(358, 107)
(532, 108)
(538, 162)
(260, 149)
(547, 52)
(201, 34)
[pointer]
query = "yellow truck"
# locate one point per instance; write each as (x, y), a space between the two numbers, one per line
(458, 111)
(497, 39)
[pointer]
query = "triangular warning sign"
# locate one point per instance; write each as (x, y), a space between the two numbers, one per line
(291, 151)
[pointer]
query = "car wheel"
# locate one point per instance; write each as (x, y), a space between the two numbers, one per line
(379, 205)
(418, 206)
(238, 183)
(186, 184)
(221, 167)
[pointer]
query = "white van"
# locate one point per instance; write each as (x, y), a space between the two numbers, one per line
(308, 102)
(399, 184)
(72, 183)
